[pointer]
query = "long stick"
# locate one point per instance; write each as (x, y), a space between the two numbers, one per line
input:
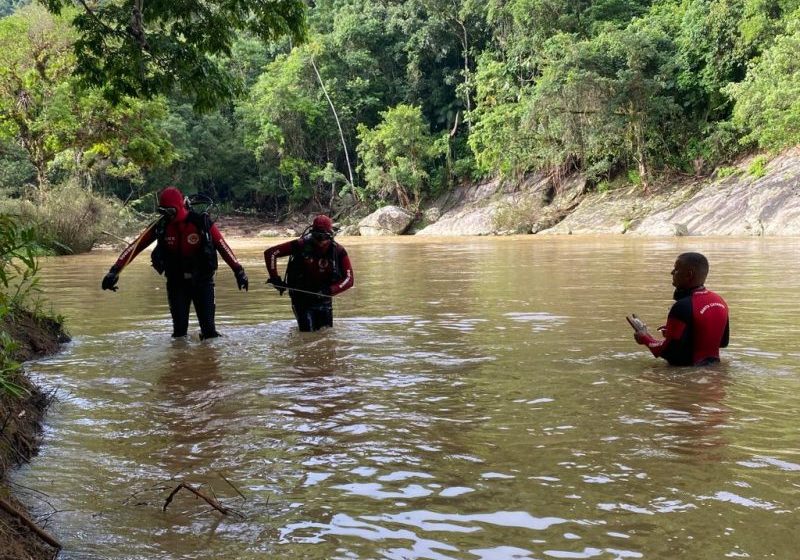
(28, 522)
(304, 291)
(210, 501)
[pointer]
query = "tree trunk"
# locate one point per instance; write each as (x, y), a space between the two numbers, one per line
(465, 46)
(641, 156)
(402, 196)
(339, 125)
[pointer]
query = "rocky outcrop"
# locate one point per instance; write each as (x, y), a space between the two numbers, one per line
(618, 211)
(465, 210)
(501, 208)
(738, 204)
(389, 220)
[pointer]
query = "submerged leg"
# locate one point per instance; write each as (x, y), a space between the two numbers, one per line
(322, 317)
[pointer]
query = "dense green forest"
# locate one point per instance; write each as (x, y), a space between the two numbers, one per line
(278, 106)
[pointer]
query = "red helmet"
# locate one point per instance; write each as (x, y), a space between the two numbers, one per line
(322, 223)
(171, 203)
(171, 197)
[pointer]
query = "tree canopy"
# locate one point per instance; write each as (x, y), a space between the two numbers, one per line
(272, 106)
(133, 48)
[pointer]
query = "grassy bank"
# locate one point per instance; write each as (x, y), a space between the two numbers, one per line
(25, 333)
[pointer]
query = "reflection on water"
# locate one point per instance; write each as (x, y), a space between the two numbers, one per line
(690, 406)
(476, 398)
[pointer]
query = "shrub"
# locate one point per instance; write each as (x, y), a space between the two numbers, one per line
(396, 155)
(758, 168)
(634, 177)
(69, 219)
(18, 268)
(516, 217)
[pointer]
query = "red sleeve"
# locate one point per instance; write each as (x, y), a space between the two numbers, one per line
(142, 242)
(726, 335)
(347, 282)
(272, 254)
(224, 249)
(673, 333)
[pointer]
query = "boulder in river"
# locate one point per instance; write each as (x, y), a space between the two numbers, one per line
(389, 220)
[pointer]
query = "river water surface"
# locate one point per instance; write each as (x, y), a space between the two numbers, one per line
(477, 398)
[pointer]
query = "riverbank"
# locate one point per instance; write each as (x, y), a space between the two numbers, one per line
(756, 196)
(20, 427)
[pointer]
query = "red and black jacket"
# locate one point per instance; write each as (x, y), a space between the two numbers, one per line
(186, 245)
(697, 327)
(310, 269)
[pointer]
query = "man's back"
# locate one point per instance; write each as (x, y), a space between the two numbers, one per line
(697, 327)
(711, 330)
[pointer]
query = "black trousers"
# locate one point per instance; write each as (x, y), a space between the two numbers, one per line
(312, 317)
(181, 293)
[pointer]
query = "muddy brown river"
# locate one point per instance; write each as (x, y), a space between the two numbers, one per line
(477, 398)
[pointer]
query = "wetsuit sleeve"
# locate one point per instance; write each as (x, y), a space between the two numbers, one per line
(224, 249)
(272, 255)
(140, 244)
(676, 336)
(347, 270)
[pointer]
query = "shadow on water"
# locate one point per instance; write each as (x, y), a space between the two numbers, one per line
(190, 390)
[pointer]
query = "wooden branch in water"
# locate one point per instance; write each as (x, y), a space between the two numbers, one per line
(231, 485)
(210, 501)
(28, 522)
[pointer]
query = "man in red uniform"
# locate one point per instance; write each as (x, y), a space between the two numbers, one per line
(697, 325)
(318, 269)
(186, 253)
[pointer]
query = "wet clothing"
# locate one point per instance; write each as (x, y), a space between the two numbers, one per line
(181, 294)
(697, 327)
(312, 269)
(312, 317)
(186, 254)
(184, 246)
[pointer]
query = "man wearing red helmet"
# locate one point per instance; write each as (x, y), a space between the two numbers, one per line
(318, 269)
(186, 250)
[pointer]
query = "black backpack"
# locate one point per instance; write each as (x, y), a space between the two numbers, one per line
(204, 264)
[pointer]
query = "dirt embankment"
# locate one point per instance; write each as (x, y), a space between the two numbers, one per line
(20, 427)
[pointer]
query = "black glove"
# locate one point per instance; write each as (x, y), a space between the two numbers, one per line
(278, 284)
(241, 279)
(110, 280)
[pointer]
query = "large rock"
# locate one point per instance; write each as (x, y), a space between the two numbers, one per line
(348, 230)
(618, 211)
(466, 210)
(389, 220)
(739, 205)
(496, 207)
